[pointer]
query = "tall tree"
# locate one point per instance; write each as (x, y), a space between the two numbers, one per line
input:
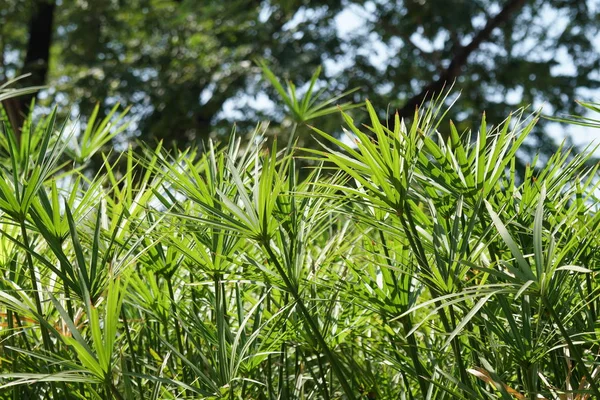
(502, 54)
(187, 66)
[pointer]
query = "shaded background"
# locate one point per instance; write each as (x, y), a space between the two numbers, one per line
(187, 67)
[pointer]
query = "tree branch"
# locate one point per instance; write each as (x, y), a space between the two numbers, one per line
(460, 58)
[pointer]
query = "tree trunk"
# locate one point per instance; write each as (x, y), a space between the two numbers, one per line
(37, 57)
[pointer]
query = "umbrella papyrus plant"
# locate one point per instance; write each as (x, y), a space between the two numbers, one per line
(415, 262)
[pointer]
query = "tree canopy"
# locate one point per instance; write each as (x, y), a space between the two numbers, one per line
(187, 67)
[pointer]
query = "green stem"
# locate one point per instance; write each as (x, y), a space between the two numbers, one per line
(323, 378)
(269, 357)
(221, 315)
(337, 370)
(8, 352)
(290, 145)
(177, 330)
(132, 350)
(410, 229)
(456, 348)
(36, 290)
(67, 294)
(422, 374)
(112, 389)
(572, 348)
(283, 387)
(36, 297)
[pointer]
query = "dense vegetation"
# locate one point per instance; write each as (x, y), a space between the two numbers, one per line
(412, 264)
(186, 66)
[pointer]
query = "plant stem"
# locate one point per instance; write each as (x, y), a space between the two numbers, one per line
(412, 236)
(36, 290)
(337, 370)
(177, 330)
(572, 348)
(36, 296)
(132, 350)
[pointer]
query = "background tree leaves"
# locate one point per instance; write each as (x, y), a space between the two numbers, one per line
(186, 67)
